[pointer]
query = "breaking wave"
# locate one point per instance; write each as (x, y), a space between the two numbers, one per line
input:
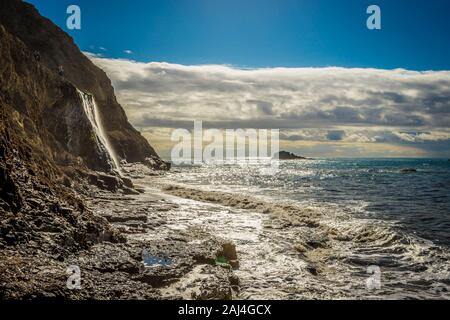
(305, 250)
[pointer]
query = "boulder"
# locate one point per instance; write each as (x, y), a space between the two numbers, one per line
(127, 182)
(229, 251)
(130, 191)
(111, 183)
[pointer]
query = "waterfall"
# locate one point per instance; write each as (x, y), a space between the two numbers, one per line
(91, 111)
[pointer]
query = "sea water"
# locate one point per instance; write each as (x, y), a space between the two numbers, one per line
(394, 219)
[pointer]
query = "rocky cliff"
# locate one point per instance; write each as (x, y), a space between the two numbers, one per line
(36, 90)
(56, 132)
(62, 125)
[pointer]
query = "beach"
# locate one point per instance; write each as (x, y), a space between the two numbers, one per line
(195, 241)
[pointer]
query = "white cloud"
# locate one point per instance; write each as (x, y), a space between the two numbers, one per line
(128, 51)
(93, 55)
(324, 104)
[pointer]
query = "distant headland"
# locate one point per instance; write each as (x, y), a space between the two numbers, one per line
(285, 155)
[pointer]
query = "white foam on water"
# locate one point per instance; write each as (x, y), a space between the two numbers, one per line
(272, 268)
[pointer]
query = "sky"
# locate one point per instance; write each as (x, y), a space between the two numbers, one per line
(310, 68)
(263, 33)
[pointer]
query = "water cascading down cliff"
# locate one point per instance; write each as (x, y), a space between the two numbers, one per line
(51, 107)
(57, 129)
(106, 153)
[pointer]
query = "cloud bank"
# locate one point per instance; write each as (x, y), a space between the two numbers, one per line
(334, 107)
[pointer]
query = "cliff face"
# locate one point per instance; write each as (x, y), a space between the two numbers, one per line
(53, 131)
(22, 22)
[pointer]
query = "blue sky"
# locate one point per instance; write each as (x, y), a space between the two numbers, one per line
(263, 33)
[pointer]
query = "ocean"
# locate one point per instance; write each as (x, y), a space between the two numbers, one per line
(389, 214)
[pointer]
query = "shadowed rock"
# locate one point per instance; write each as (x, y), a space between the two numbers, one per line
(285, 155)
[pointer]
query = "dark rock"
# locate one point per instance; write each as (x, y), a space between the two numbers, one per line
(156, 280)
(140, 190)
(300, 248)
(234, 264)
(65, 210)
(111, 183)
(228, 251)
(9, 189)
(93, 179)
(408, 170)
(130, 191)
(229, 255)
(316, 243)
(234, 280)
(312, 269)
(67, 182)
(34, 202)
(285, 155)
(157, 163)
(127, 182)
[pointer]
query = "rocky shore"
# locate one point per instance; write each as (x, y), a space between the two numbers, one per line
(72, 225)
(118, 251)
